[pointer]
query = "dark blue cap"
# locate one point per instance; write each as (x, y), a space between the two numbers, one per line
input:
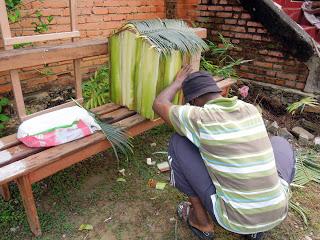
(198, 84)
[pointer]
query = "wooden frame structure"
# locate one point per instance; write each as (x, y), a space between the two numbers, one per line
(9, 41)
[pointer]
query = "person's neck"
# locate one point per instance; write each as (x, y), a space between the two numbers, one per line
(211, 96)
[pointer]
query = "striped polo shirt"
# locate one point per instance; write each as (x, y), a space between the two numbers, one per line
(231, 136)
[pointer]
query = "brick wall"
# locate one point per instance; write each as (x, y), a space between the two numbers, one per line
(96, 19)
(271, 63)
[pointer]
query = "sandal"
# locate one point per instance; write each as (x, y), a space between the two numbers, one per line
(183, 210)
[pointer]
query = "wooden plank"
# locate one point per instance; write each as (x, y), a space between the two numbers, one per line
(226, 83)
(40, 38)
(69, 160)
(4, 23)
(16, 153)
(8, 141)
(5, 192)
(73, 14)
(130, 121)
(106, 108)
(21, 58)
(25, 189)
(17, 92)
(78, 77)
(116, 115)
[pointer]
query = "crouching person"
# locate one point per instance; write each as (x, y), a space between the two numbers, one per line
(222, 158)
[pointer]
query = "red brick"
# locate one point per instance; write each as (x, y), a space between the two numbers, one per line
(263, 64)
(288, 76)
(224, 14)
(5, 88)
(100, 10)
(245, 16)
(215, 8)
(230, 21)
(300, 85)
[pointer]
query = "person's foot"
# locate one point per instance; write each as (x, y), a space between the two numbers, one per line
(203, 232)
(203, 225)
(255, 236)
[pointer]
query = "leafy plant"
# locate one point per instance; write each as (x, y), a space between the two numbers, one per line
(96, 90)
(3, 117)
(118, 138)
(307, 170)
(22, 45)
(43, 22)
(223, 64)
(307, 101)
(14, 14)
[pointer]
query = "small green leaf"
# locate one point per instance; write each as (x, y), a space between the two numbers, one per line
(85, 227)
(4, 118)
(4, 101)
(121, 180)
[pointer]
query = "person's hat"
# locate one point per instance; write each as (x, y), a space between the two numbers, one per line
(198, 84)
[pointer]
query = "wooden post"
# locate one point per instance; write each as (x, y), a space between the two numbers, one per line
(76, 62)
(29, 204)
(5, 192)
(14, 74)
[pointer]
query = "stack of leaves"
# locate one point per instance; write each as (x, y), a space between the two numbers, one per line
(145, 57)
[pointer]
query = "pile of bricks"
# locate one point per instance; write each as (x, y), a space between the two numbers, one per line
(270, 62)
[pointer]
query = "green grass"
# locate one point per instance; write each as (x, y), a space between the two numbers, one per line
(89, 193)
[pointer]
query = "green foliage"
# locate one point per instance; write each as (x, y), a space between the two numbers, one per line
(168, 34)
(3, 117)
(42, 24)
(14, 14)
(22, 45)
(307, 101)
(223, 64)
(118, 138)
(96, 90)
(307, 170)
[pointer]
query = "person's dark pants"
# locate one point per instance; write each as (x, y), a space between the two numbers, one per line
(190, 175)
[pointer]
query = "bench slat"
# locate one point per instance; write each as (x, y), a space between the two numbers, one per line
(16, 153)
(106, 108)
(8, 141)
(116, 115)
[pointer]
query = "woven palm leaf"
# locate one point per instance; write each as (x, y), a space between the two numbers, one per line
(167, 35)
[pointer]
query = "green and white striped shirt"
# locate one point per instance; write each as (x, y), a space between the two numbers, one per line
(234, 144)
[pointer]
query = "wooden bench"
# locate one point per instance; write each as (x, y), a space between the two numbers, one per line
(26, 166)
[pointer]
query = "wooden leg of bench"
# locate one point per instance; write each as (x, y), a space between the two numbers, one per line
(29, 204)
(5, 192)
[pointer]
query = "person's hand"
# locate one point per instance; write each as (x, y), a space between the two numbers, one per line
(183, 74)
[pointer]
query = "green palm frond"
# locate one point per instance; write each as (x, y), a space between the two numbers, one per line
(117, 137)
(307, 101)
(167, 35)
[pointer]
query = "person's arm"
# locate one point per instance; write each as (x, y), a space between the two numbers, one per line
(163, 101)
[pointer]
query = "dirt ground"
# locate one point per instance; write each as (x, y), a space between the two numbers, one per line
(89, 193)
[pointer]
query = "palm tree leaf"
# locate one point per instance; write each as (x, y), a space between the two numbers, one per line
(167, 35)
